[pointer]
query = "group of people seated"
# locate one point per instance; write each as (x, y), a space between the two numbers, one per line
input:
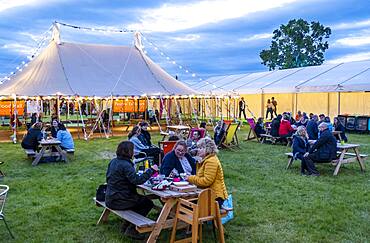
(38, 131)
(195, 159)
(284, 126)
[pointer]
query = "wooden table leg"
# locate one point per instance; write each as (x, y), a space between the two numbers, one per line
(62, 153)
(359, 159)
(104, 216)
(339, 162)
(161, 220)
(39, 156)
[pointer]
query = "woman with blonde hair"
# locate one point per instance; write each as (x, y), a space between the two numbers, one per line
(301, 147)
(209, 172)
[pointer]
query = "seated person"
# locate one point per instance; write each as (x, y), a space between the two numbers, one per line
(327, 121)
(321, 119)
(324, 150)
(209, 170)
(312, 128)
(338, 126)
(54, 128)
(140, 147)
(258, 129)
(300, 147)
(34, 119)
(65, 137)
(275, 125)
(121, 191)
(191, 142)
(285, 129)
(33, 136)
(302, 121)
(144, 136)
(219, 132)
(179, 160)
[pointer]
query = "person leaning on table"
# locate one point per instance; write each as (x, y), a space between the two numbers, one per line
(209, 170)
(121, 191)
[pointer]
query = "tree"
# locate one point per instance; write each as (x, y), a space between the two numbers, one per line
(297, 44)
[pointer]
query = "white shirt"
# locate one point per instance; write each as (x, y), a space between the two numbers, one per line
(185, 165)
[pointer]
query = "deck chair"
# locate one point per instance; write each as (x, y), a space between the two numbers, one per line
(230, 138)
(166, 147)
(197, 211)
(201, 131)
(3, 193)
(252, 134)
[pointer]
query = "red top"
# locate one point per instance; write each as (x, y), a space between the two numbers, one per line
(285, 128)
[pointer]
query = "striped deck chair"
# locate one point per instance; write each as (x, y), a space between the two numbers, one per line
(230, 138)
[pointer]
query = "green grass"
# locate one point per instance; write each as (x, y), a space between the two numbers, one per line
(53, 202)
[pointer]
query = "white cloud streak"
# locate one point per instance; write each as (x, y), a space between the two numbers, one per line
(351, 41)
(187, 38)
(352, 25)
(362, 56)
(257, 37)
(172, 17)
(19, 48)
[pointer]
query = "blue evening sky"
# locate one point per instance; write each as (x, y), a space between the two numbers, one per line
(206, 38)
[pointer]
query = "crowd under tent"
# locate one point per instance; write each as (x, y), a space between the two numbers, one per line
(105, 78)
(331, 89)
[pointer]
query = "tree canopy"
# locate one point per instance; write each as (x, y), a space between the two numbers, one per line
(297, 44)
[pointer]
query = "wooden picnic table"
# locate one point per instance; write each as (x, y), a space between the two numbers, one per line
(49, 144)
(170, 199)
(344, 148)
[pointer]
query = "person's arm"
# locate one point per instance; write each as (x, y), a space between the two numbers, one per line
(138, 143)
(322, 140)
(167, 165)
(130, 173)
(210, 172)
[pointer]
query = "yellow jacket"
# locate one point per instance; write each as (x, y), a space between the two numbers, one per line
(210, 174)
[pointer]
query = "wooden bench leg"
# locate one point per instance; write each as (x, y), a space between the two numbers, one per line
(359, 159)
(104, 216)
(290, 162)
(339, 162)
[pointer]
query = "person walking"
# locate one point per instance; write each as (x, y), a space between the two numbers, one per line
(242, 108)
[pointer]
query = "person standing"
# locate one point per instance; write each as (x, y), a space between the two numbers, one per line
(269, 109)
(274, 105)
(242, 108)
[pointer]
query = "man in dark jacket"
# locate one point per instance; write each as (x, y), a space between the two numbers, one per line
(275, 125)
(242, 108)
(122, 181)
(312, 128)
(33, 136)
(323, 150)
(179, 160)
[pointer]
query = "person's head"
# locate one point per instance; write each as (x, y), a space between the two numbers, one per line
(272, 98)
(311, 115)
(173, 138)
(125, 149)
(61, 127)
(268, 101)
(301, 131)
(242, 98)
(37, 125)
(286, 117)
(206, 146)
(34, 114)
(279, 117)
(260, 120)
(315, 118)
(304, 114)
(134, 132)
(299, 113)
(180, 149)
(336, 121)
(322, 117)
(143, 125)
(323, 126)
(55, 123)
(203, 125)
(327, 119)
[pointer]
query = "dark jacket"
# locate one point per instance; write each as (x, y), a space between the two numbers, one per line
(145, 138)
(300, 146)
(122, 180)
(312, 130)
(170, 162)
(275, 125)
(32, 138)
(259, 129)
(341, 128)
(325, 147)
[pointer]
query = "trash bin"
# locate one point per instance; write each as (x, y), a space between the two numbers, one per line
(361, 123)
(351, 123)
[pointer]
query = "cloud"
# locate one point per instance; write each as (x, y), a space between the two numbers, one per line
(257, 37)
(172, 17)
(7, 4)
(361, 40)
(352, 25)
(350, 58)
(188, 37)
(19, 48)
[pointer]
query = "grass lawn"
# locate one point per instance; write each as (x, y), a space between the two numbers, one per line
(53, 202)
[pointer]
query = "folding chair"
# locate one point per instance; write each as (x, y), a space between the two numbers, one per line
(3, 193)
(230, 138)
(252, 132)
(166, 147)
(197, 211)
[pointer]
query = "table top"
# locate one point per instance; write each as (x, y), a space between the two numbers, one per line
(347, 145)
(52, 141)
(169, 193)
(179, 127)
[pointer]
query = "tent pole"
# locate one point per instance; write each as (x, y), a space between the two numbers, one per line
(296, 104)
(15, 119)
(110, 128)
(328, 104)
(58, 108)
(338, 103)
(262, 104)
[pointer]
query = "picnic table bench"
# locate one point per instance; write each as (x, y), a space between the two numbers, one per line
(30, 153)
(268, 137)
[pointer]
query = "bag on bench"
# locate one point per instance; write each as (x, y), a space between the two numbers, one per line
(100, 193)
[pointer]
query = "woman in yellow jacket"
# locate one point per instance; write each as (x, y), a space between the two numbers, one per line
(209, 170)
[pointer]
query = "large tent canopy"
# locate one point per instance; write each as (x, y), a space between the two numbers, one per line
(92, 70)
(343, 77)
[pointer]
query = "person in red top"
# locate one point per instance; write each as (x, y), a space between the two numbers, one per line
(285, 129)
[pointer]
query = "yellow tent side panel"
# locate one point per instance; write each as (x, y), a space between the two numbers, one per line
(355, 103)
(254, 104)
(333, 104)
(284, 102)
